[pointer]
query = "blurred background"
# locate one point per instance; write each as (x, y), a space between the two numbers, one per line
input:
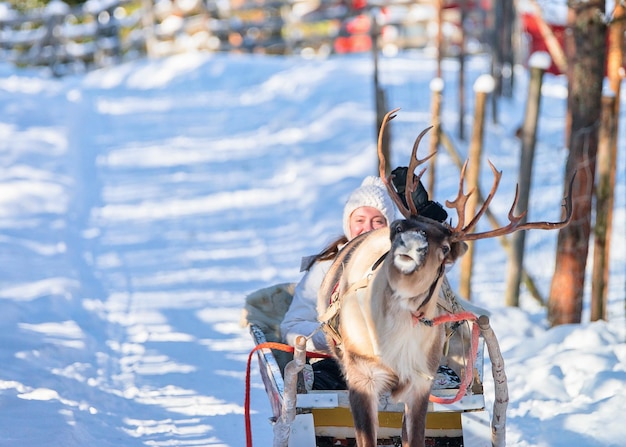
(75, 35)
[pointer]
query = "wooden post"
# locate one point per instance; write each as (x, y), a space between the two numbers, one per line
(50, 49)
(501, 401)
(482, 87)
(503, 51)
(436, 89)
(379, 96)
(107, 36)
(496, 55)
(147, 22)
(539, 62)
(504, 84)
(495, 223)
(439, 37)
(462, 74)
(282, 427)
(604, 205)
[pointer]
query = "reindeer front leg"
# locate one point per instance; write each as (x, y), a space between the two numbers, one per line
(414, 422)
(367, 380)
(365, 417)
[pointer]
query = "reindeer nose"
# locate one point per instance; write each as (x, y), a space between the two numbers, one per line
(417, 239)
(421, 244)
(412, 250)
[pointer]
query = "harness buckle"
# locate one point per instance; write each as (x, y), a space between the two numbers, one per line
(427, 322)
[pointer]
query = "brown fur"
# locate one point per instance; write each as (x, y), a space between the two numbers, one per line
(385, 349)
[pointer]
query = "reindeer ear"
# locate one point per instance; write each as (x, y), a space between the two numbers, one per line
(457, 249)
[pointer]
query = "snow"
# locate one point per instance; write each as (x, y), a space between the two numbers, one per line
(57, 8)
(139, 205)
(540, 59)
(437, 85)
(484, 84)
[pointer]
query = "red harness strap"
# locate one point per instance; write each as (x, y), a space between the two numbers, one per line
(467, 379)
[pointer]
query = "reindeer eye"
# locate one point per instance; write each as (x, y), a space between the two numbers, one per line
(399, 228)
(445, 249)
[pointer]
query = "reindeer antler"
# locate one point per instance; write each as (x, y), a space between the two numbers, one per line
(411, 182)
(382, 168)
(461, 200)
(461, 233)
(410, 185)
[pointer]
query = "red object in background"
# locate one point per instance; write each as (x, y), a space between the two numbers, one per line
(537, 42)
(355, 33)
(355, 37)
(359, 4)
(359, 25)
(353, 44)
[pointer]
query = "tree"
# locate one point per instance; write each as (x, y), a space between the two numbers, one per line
(586, 64)
(607, 165)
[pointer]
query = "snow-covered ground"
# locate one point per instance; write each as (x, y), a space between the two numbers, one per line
(141, 203)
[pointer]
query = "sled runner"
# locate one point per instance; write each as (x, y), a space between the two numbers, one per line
(308, 418)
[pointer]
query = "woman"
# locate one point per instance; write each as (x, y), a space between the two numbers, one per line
(369, 207)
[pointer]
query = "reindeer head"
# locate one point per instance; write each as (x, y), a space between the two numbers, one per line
(421, 247)
(420, 250)
(419, 241)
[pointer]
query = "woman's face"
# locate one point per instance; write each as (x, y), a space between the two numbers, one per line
(364, 219)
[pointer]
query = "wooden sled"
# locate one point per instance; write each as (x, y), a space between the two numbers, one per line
(313, 418)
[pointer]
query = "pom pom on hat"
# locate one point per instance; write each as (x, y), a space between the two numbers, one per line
(372, 192)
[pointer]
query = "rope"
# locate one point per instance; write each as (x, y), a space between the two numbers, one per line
(467, 379)
(270, 345)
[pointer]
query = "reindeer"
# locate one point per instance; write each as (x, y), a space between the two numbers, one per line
(387, 283)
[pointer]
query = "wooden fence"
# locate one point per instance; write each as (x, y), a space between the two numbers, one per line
(69, 39)
(102, 32)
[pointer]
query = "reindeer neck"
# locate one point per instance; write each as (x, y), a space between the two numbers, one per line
(426, 309)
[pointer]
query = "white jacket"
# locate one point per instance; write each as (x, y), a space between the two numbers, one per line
(301, 318)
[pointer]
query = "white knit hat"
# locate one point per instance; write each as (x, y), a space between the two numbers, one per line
(372, 192)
